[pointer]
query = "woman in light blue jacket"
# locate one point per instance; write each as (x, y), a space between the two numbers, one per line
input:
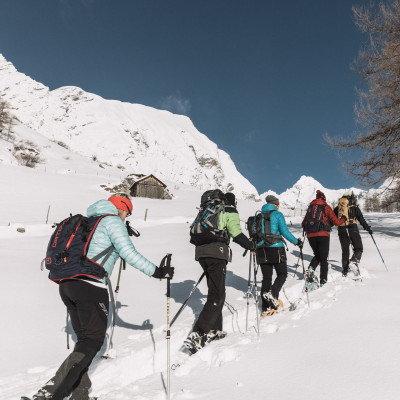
(87, 300)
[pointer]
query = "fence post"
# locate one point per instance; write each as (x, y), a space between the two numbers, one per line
(47, 218)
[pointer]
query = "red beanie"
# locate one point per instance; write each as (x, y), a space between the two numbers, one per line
(122, 203)
(320, 195)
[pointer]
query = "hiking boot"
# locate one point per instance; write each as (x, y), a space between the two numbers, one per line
(345, 271)
(40, 395)
(273, 303)
(195, 341)
(322, 282)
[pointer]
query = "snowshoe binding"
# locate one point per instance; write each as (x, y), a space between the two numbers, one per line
(273, 305)
(311, 280)
(215, 335)
(354, 268)
(195, 341)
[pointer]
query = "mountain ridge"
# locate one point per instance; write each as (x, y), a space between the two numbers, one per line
(143, 139)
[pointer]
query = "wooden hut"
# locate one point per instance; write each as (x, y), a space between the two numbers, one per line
(149, 186)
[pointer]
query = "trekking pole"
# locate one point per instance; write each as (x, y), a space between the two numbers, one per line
(379, 252)
(248, 294)
(298, 258)
(187, 299)
(304, 274)
(122, 265)
(167, 260)
(256, 291)
(67, 329)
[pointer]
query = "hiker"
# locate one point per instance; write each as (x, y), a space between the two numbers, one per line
(273, 256)
(348, 231)
(317, 225)
(213, 253)
(86, 298)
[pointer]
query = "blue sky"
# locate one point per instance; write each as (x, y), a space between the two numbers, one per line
(263, 79)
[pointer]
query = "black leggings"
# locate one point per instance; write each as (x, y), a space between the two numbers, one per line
(351, 235)
(320, 248)
(87, 306)
(267, 285)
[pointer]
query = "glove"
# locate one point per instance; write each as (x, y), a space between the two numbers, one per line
(299, 243)
(344, 217)
(164, 272)
(369, 230)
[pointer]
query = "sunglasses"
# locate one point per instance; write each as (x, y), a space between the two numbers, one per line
(129, 210)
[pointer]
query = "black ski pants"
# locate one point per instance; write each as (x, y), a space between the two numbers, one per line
(270, 258)
(87, 306)
(210, 317)
(267, 285)
(350, 235)
(320, 248)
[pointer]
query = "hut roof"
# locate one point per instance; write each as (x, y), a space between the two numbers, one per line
(144, 177)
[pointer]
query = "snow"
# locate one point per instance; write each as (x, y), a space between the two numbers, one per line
(344, 346)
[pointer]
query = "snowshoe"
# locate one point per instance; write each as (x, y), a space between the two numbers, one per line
(42, 394)
(269, 312)
(272, 302)
(215, 335)
(38, 398)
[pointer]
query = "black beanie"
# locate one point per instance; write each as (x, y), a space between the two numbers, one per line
(230, 198)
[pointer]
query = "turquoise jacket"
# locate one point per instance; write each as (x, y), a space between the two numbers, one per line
(112, 231)
(278, 225)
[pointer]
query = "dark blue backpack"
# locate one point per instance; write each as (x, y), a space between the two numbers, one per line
(66, 255)
(316, 219)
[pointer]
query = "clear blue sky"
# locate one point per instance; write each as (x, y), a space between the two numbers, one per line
(263, 79)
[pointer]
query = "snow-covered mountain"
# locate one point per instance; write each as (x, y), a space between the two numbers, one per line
(141, 139)
(304, 190)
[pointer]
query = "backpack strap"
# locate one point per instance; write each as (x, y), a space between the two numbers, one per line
(106, 252)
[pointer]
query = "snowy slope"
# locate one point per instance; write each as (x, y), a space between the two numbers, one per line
(141, 139)
(344, 346)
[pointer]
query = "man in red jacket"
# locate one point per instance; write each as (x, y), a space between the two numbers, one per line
(317, 225)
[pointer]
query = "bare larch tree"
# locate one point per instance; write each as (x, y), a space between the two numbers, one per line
(378, 107)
